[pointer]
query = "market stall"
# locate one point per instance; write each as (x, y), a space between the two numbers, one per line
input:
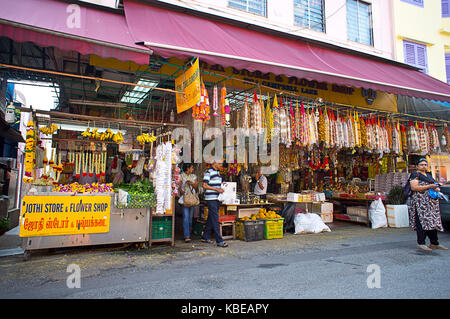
(69, 201)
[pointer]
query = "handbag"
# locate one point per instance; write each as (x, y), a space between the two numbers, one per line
(191, 199)
(433, 194)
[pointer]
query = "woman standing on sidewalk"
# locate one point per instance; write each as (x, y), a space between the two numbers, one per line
(424, 215)
(189, 185)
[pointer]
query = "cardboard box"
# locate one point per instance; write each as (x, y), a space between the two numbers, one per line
(397, 216)
(357, 211)
(327, 217)
(294, 197)
(243, 212)
(325, 207)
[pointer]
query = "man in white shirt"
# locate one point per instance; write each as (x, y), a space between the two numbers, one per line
(261, 184)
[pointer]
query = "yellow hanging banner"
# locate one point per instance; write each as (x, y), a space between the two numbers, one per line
(189, 83)
(64, 215)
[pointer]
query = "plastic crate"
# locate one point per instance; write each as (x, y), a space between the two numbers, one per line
(198, 228)
(227, 218)
(273, 228)
(250, 230)
(161, 227)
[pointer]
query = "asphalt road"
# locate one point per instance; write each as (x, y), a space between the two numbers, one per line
(338, 264)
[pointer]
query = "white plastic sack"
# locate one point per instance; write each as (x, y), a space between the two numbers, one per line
(377, 214)
(309, 223)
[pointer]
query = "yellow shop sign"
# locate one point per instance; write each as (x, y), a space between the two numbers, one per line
(189, 83)
(64, 215)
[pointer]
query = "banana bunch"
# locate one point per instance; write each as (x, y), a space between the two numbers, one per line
(86, 133)
(118, 138)
(49, 130)
(145, 138)
(107, 135)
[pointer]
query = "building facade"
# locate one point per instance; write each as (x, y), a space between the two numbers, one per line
(422, 35)
(364, 26)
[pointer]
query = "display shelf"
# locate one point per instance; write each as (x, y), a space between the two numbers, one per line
(355, 202)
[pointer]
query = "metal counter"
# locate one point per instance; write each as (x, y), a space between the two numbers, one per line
(126, 226)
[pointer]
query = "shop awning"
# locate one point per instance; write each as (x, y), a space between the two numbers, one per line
(52, 23)
(175, 34)
(7, 131)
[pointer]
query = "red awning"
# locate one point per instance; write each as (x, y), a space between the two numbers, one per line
(70, 27)
(175, 34)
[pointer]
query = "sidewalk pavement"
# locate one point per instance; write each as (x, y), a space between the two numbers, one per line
(10, 243)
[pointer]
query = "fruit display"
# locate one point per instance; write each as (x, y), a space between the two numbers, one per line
(263, 214)
(84, 189)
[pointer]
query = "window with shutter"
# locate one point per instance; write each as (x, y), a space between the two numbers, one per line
(309, 14)
(359, 22)
(416, 55)
(252, 6)
(447, 66)
(415, 2)
(445, 9)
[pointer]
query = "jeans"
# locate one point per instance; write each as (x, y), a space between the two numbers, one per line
(422, 234)
(188, 213)
(212, 223)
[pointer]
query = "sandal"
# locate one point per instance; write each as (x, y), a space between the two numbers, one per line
(208, 241)
(187, 240)
(222, 244)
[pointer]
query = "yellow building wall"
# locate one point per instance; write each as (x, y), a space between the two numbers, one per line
(425, 26)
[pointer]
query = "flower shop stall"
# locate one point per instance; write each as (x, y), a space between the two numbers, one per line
(71, 199)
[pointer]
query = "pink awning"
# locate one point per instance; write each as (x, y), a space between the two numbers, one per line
(175, 34)
(70, 27)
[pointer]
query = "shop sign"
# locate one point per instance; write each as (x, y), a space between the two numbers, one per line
(308, 88)
(234, 77)
(64, 215)
(189, 83)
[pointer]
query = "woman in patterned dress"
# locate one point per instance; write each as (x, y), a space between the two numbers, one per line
(424, 215)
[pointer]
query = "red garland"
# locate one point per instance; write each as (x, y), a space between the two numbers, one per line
(320, 165)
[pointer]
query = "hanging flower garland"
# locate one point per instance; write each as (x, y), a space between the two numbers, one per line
(269, 120)
(276, 118)
(29, 153)
(215, 100)
(201, 110)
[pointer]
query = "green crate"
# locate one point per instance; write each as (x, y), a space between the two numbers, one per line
(273, 228)
(198, 228)
(161, 227)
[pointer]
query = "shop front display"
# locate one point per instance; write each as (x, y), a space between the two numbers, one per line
(330, 144)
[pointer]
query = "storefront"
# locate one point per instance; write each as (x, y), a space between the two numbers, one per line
(334, 140)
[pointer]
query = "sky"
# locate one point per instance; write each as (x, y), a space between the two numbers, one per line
(41, 98)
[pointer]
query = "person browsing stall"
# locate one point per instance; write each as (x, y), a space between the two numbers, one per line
(261, 184)
(212, 182)
(189, 185)
(424, 212)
